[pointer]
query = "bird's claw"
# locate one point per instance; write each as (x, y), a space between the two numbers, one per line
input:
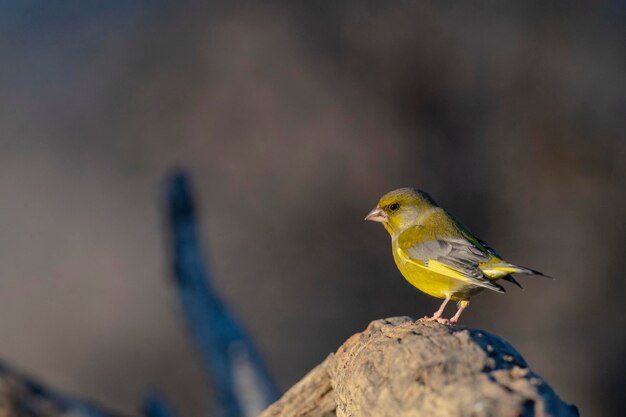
(439, 320)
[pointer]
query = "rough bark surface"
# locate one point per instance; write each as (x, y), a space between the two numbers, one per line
(313, 396)
(399, 367)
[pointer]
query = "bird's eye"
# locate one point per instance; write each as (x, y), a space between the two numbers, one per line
(394, 206)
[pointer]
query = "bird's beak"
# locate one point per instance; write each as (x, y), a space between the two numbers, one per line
(377, 215)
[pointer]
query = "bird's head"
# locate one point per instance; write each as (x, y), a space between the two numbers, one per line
(400, 208)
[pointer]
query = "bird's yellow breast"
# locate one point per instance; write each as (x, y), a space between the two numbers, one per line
(428, 280)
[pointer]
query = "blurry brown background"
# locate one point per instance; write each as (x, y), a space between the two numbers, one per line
(293, 119)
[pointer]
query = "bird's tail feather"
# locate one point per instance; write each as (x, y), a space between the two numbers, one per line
(528, 271)
(503, 271)
(513, 280)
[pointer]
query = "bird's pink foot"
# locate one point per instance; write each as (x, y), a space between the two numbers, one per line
(437, 319)
(462, 306)
(437, 316)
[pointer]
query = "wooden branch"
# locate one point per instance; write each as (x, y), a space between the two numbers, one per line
(242, 384)
(398, 367)
(22, 396)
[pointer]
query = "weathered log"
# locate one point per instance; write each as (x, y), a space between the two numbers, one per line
(399, 367)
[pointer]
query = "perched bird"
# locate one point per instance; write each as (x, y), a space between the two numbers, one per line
(437, 254)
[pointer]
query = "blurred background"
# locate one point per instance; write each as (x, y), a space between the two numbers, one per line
(293, 118)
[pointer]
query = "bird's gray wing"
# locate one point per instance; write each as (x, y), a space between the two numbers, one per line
(459, 254)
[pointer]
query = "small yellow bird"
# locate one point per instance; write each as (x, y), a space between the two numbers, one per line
(437, 254)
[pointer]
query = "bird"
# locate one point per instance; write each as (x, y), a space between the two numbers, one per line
(439, 255)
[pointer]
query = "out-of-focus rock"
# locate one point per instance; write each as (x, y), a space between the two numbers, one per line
(398, 367)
